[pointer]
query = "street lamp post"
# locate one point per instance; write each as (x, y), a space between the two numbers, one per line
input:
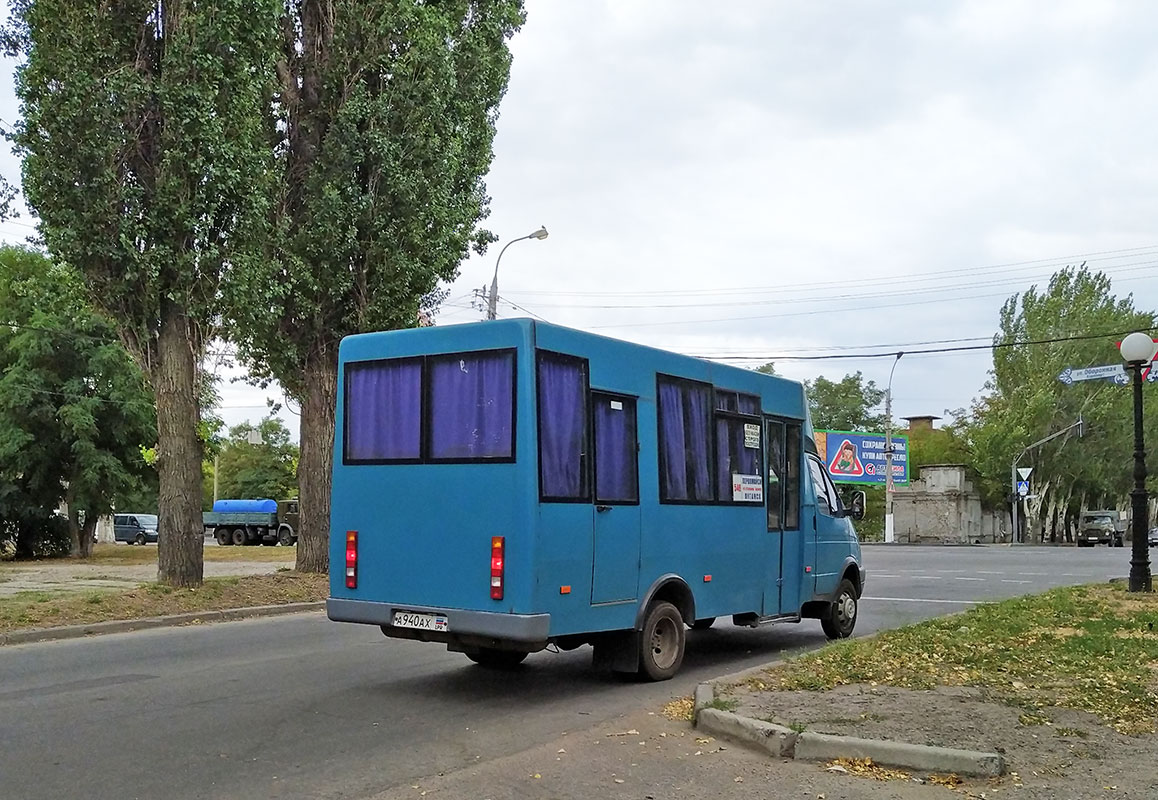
(1137, 349)
(889, 531)
(493, 298)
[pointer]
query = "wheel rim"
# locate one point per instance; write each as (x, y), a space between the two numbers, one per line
(845, 610)
(664, 643)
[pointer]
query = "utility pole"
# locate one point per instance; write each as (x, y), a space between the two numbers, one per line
(889, 531)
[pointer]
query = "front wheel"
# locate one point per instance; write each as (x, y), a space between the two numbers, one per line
(661, 643)
(497, 659)
(140, 539)
(285, 537)
(840, 618)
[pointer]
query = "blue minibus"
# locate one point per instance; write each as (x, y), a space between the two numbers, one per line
(503, 486)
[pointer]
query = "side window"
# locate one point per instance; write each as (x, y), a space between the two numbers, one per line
(383, 411)
(562, 392)
(774, 442)
(119, 519)
(133, 522)
(685, 418)
(472, 406)
(616, 449)
(792, 476)
(738, 448)
(824, 499)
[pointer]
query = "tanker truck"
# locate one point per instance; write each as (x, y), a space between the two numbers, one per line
(253, 522)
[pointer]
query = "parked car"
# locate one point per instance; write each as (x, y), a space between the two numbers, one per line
(1101, 527)
(1152, 537)
(135, 528)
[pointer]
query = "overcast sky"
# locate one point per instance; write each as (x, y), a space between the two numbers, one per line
(768, 179)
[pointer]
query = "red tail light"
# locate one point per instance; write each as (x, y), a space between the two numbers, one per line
(351, 559)
(497, 567)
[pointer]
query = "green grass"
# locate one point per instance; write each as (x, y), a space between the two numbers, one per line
(723, 704)
(1090, 648)
(40, 609)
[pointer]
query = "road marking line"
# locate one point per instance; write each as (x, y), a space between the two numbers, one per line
(983, 572)
(924, 578)
(970, 579)
(1033, 573)
(1009, 581)
(951, 571)
(882, 575)
(922, 600)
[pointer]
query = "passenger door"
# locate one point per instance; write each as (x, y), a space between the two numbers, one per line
(785, 547)
(615, 562)
(832, 529)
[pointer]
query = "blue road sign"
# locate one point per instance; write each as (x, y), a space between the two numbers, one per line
(1023, 488)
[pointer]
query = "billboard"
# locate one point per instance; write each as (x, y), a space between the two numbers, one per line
(860, 457)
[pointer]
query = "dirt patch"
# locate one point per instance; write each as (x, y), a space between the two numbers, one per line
(1051, 753)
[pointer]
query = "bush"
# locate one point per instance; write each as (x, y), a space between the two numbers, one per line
(38, 537)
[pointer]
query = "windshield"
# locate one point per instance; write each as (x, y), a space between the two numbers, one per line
(147, 520)
(1098, 519)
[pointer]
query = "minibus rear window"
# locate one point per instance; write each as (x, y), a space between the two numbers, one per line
(384, 411)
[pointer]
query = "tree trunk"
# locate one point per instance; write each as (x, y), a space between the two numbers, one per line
(319, 402)
(73, 518)
(86, 533)
(180, 547)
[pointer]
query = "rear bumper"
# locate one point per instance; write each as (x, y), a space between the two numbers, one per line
(463, 624)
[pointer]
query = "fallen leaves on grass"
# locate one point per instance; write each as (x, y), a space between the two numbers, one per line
(1087, 648)
(866, 768)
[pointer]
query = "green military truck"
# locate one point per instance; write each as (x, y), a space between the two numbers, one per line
(253, 522)
(1101, 527)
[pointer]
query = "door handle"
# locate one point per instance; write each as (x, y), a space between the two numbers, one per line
(601, 509)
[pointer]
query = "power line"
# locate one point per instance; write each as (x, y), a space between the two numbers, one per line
(960, 349)
(1109, 255)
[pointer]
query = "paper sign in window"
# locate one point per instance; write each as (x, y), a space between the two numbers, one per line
(747, 489)
(751, 436)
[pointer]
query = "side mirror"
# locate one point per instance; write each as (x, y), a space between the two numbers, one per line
(856, 506)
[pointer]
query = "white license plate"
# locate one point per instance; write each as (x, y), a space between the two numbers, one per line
(423, 622)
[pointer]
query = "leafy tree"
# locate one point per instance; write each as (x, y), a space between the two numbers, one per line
(145, 153)
(1025, 402)
(74, 409)
(266, 470)
(845, 405)
(767, 369)
(382, 128)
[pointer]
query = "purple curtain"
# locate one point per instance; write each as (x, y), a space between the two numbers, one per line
(471, 406)
(749, 404)
(673, 476)
(685, 415)
(384, 411)
(562, 428)
(616, 473)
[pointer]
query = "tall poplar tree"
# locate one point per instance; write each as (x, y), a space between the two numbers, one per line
(382, 124)
(145, 152)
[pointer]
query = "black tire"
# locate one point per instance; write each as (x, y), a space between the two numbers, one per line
(497, 659)
(661, 643)
(1120, 543)
(702, 624)
(140, 539)
(840, 618)
(285, 537)
(222, 537)
(237, 536)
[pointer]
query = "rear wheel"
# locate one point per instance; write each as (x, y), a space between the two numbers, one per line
(661, 644)
(703, 624)
(840, 618)
(238, 536)
(222, 537)
(497, 659)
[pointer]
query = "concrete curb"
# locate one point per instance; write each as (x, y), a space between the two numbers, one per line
(785, 743)
(173, 620)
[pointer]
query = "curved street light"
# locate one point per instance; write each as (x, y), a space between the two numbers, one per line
(1138, 349)
(493, 299)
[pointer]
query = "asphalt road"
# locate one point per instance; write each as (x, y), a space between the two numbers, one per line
(301, 707)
